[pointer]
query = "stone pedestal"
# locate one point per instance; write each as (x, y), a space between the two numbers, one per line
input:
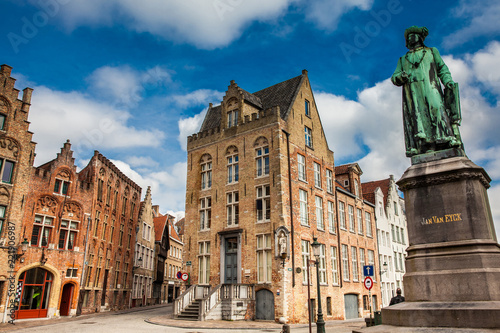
(453, 265)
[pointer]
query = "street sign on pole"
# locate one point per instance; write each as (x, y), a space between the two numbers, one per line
(185, 277)
(188, 263)
(368, 270)
(368, 283)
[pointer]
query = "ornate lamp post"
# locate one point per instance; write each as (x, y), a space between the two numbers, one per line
(320, 323)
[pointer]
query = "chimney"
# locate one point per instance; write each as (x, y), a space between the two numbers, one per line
(27, 95)
(304, 72)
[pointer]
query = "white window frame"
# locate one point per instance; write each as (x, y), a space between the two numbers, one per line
(345, 263)
(329, 181)
(232, 208)
(354, 262)
(263, 194)
(322, 264)
(368, 221)
(304, 216)
(262, 161)
(204, 262)
(342, 219)
(206, 175)
(317, 175)
(320, 221)
(232, 118)
(232, 169)
(335, 273)
(331, 217)
(359, 220)
(264, 258)
(306, 256)
(352, 227)
(301, 166)
(205, 213)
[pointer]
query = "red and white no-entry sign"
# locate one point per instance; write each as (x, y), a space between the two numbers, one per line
(185, 277)
(368, 283)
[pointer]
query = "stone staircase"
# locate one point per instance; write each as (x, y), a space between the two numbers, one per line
(191, 312)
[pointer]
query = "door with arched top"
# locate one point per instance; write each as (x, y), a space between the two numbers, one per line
(264, 303)
(66, 297)
(34, 286)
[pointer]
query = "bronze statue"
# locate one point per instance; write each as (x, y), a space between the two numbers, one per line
(431, 117)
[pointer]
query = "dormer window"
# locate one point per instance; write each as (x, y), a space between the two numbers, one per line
(61, 187)
(232, 118)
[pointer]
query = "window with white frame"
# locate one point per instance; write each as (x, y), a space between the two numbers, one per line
(354, 259)
(359, 215)
(262, 161)
(331, 217)
(335, 273)
(232, 200)
(232, 168)
(368, 222)
(61, 186)
(206, 172)
(205, 213)
(402, 236)
(204, 263)
(67, 234)
(322, 264)
(320, 222)
(6, 170)
(371, 261)
(345, 262)
(351, 218)
(264, 258)
(342, 215)
(396, 261)
(306, 256)
(232, 118)
(263, 203)
(42, 228)
(400, 255)
(361, 257)
(317, 175)
(329, 181)
(308, 136)
(301, 163)
(304, 220)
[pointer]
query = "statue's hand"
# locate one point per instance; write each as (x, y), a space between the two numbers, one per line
(404, 77)
(450, 85)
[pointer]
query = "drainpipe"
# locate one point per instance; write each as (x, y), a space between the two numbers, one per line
(341, 279)
(291, 206)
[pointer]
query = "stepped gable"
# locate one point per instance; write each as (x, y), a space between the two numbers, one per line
(369, 188)
(281, 94)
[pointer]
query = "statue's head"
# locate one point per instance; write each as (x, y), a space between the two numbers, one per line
(415, 32)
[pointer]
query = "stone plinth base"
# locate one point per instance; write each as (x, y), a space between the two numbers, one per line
(443, 314)
(399, 329)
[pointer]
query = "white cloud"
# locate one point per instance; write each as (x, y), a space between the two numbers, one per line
(168, 187)
(486, 66)
(57, 116)
(326, 13)
(197, 97)
(145, 161)
(481, 19)
(206, 24)
(123, 85)
(189, 126)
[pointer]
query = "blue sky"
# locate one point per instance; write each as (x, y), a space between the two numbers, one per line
(133, 78)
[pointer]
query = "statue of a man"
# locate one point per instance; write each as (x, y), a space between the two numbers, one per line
(431, 118)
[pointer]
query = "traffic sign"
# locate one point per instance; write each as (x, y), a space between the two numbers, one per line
(185, 277)
(188, 263)
(368, 283)
(368, 270)
(179, 274)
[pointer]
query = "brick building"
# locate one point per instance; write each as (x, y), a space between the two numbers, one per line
(173, 264)
(17, 152)
(260, 185)
(162, 244)
(392, 234)
(111, 240)
(55, 223)
(144, 255)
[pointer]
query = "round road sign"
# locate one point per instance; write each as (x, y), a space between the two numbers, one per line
(368, 283)
(185, 277)
(179, 274)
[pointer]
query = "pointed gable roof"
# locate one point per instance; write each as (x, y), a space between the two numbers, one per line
(370, 187)
(281, 94)
(160, 222)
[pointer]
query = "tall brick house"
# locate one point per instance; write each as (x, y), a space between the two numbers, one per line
(162, 245)
(173, 264)
(144, 255)
(17, 152)
(111, 240)
(260, 188)
(392, 233)
(55, 223)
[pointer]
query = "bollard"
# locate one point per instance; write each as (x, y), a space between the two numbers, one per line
(286, 328)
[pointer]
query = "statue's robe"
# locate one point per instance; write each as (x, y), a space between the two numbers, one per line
(426, 120)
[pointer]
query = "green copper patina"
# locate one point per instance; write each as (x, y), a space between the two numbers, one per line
(431, 117)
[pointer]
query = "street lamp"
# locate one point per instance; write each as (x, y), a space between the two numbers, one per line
(24, 247)
(320, 323)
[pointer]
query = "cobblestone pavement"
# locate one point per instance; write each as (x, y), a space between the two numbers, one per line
(159, 319)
